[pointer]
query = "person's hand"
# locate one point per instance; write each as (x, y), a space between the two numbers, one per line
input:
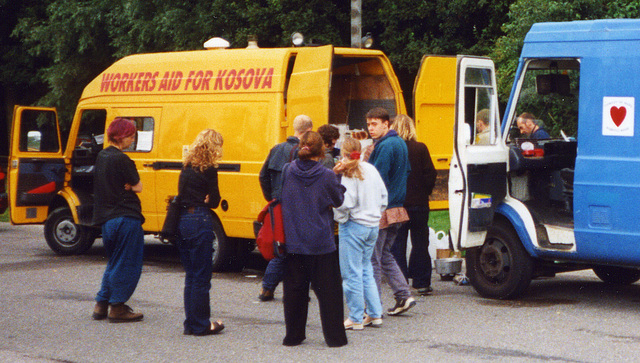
(339, 167)
(206, 199)
(127, 186)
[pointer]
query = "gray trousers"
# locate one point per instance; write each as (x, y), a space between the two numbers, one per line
(384, 263)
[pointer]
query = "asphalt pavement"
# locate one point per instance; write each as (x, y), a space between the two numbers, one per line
(47, 300)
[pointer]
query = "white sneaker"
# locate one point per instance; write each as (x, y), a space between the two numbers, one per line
(375, 322)
(350, 325)
(402, 305)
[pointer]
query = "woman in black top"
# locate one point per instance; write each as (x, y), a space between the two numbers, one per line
(420, 183)
(198, 186)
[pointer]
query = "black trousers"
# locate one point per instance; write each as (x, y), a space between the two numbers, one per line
(419, 267)
(322, 272)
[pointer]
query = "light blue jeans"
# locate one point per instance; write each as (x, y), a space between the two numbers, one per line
(356, 248)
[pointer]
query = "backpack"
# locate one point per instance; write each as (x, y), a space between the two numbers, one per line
(270, 236)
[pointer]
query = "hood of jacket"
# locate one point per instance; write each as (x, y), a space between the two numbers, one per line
(308, 171)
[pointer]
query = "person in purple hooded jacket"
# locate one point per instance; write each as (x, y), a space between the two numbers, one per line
(309, 191)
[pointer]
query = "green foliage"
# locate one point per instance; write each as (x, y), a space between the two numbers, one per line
(524, 13)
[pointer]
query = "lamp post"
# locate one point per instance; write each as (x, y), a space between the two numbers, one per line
(356, 23)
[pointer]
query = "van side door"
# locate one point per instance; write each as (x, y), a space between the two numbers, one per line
(308, 90)
(478, 172)
(37, 169)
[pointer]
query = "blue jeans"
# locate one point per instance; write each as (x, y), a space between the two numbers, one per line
(123, 240)
(273, 273)
(356, 248)
(195, 243)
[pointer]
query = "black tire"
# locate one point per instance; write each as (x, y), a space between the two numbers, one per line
(501, 268)
(64, 236)
(617, 275)
(224, 249)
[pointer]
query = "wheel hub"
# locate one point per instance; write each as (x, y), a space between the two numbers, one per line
(66, 232)
(494, 259)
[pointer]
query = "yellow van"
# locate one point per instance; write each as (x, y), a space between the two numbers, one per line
(249, 95)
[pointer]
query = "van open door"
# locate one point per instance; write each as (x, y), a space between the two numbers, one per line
(36, 166)
(478, 172)
(308, 91)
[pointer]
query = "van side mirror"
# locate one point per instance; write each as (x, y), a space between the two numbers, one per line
(553, 83)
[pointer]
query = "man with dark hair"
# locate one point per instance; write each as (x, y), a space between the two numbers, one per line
(271, 184)
(330, 134)
(391, 157)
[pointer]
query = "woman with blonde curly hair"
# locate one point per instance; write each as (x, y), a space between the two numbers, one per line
(359, 218)
(198, 193)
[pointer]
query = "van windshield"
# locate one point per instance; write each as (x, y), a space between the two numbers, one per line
(549, 97)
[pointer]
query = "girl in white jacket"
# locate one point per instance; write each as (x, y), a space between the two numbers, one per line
(358, 218)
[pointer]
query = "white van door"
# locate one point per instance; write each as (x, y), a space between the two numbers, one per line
(478, 171)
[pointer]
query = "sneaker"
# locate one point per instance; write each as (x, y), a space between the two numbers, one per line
(423, 291)
(350, 325)
(375, 322)
(266, 295)
(402, 305)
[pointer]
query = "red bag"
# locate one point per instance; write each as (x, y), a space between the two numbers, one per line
(270, 238)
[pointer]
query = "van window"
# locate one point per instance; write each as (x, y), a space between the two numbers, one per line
(144, 137)
(92, 126)
(39, 131)
(479, 106)
(549, 91)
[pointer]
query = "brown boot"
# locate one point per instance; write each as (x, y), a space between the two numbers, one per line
(122, 313)
(100, 310)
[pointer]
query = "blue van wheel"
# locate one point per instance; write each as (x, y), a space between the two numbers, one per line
(617, 275)
(501, 267)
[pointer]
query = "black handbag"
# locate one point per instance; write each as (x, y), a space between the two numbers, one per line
(170, 227)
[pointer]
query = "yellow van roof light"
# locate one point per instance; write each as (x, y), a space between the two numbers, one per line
(216, 43)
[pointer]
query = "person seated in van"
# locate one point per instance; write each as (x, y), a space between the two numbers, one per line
(330, 135)
(482, 127)
(530, 127)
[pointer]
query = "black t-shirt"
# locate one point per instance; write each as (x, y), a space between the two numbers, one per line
(195, 185)
(112, 171)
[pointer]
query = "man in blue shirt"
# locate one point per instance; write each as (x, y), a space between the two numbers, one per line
(391, 157)
(530, 127)
(271, 184)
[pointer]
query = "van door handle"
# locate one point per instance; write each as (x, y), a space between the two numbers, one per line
(459, 191)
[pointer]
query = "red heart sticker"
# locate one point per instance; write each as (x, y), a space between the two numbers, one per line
(618, 114)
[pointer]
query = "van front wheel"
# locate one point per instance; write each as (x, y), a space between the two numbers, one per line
(501, 267)
(617, 275)
(64, 236)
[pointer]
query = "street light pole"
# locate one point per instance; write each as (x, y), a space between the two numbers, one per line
(356, 23)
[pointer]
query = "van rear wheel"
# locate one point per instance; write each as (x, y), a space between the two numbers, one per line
(617, 275)
(225, 251)
(501, 267)
(64, 236)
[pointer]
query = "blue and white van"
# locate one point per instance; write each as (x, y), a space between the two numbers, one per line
(524, 208)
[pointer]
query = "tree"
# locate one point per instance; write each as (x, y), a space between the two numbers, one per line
(524, 13)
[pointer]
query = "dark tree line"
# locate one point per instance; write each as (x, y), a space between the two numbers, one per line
(51, 49)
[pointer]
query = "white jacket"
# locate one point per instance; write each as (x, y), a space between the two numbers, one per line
(364, 200)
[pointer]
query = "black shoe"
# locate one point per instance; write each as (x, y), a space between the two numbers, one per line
(266, 295)
(423, 291)
(402, 305)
